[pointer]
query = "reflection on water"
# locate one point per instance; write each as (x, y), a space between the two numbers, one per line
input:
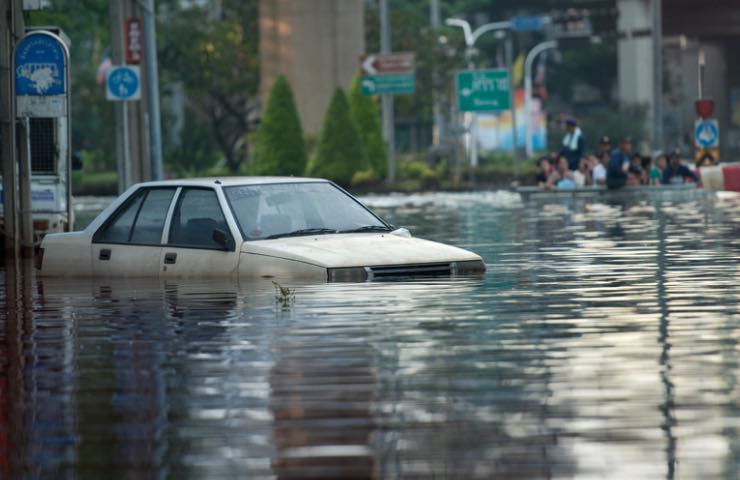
(603, 342)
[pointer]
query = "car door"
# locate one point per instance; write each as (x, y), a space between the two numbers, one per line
(129, 243)
(191, 249)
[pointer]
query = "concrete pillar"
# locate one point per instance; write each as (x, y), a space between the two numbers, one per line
(636, 55)
(316, 44)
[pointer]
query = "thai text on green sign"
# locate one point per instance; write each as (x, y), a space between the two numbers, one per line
(483, 90)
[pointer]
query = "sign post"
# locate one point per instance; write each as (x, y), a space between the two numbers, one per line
(123, 84)
(41, 67)
(388, 74)
(706, 138)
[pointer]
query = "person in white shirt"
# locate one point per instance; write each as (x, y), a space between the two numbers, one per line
(598, 169)
(582, 176)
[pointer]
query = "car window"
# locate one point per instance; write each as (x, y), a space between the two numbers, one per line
(119, 229)
(150, 222)
(264, 211)
(196, 216)
(141, 220)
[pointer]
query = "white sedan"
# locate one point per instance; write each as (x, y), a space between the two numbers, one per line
(246, 227)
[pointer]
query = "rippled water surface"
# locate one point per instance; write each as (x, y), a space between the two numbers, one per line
(602, 343)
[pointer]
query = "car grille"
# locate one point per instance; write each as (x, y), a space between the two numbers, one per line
(427, 269)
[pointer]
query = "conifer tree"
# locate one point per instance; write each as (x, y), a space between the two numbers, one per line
(367, 116)
(279, 147)
(339, 152)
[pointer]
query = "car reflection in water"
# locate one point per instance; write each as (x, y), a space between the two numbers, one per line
(218, 379)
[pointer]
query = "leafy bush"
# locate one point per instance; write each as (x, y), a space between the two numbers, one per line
(413, 170)
(279, 147)
(419, 170)
(365, 178)
(367, 116)
(339, 153)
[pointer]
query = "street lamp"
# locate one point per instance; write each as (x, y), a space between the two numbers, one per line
(471, 36)
(528, 91)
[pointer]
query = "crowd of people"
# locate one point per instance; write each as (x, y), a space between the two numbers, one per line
(609, 167)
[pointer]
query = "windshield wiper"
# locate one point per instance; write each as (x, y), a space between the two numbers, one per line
(303, 231)
(366, 228)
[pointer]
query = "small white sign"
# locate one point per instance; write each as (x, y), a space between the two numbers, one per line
(123, 83)
(34, 106)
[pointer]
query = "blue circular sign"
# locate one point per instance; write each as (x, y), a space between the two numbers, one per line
(123, 83)
(706, 134)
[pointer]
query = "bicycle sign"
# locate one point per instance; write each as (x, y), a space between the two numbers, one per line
(124, 83)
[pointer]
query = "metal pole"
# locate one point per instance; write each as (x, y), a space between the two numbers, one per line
(126, 140)
(26, 208)
(510, 66)
(438, 134)
(528, 62)
(123, 160)
(472, 125)
(11, 28)
(152, 77)
(658, 74)
(701, 62)
(387, 100)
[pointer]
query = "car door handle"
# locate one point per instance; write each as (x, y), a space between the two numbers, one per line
(104, 254)
(170, 258)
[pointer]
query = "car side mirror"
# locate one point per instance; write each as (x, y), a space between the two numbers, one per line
(401, 232)
(223, 239)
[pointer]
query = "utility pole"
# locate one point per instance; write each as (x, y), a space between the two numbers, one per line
(387, 100)
(657, 74)
(123, 157)
(11, 29)
(152, 78)
(438, 135)
(510, 65)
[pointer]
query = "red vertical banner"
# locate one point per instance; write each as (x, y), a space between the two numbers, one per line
(133, 41)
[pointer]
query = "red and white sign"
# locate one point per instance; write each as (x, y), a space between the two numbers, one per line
(133, 40)
(379, 63)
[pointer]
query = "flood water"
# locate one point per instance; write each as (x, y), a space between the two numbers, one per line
(603, 342)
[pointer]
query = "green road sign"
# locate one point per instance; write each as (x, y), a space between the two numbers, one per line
(388, 84)
(483, 90)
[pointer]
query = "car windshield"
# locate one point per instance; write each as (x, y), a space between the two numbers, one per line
(292, 209)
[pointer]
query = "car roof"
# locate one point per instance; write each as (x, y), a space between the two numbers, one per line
(229, 181)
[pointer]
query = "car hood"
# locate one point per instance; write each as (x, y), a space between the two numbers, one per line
(358, 250)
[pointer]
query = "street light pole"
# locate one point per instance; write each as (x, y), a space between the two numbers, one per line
(528, 62)
(471, 36)
(438, 134)
(152, 77)
(658, 74)
(387, 100)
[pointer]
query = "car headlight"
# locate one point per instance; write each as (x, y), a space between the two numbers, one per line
(469, 267)
(350, 274)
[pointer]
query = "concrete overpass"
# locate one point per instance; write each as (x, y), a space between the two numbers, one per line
(688, 28)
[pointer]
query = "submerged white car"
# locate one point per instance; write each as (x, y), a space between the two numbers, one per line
(246, 227)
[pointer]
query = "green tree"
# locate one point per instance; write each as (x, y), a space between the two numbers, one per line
(367, 117)
(214, 52)
(279, 147)
(339, 153)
